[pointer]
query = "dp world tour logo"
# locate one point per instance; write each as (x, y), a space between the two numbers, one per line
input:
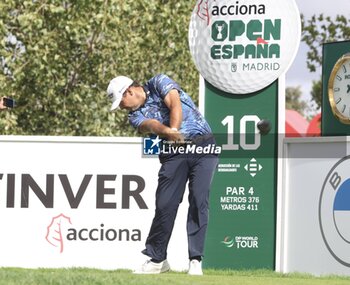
(334, 211)
(241, 242)
(228, 241)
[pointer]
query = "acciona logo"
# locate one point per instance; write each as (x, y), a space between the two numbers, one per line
(243, 46)
(334, 211)
(89, 192)
(235, 9)
(61, 230)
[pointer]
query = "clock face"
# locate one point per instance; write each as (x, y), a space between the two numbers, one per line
(339, 89)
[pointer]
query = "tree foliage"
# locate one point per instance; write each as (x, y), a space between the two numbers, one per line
(316, 92)
(294, 101)
(57, 58)
(319, 30)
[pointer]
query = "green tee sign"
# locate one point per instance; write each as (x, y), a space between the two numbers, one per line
(241, 49)
(241, 231)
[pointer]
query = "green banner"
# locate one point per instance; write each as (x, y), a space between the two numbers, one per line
(241, 233)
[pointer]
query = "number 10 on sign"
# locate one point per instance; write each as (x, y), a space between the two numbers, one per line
(229, 121)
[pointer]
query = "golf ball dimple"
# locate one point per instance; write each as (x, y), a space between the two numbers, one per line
(241, 47)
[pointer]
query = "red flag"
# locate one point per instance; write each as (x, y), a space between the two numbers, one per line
(260, 41)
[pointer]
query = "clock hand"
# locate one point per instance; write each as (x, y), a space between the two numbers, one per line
(348, 89)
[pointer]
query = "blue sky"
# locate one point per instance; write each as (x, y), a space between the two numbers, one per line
(298, 74)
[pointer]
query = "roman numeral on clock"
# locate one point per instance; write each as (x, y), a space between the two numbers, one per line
(344, 107)
(344, 69)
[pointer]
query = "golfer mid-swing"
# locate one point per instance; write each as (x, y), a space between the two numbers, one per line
(160, 107)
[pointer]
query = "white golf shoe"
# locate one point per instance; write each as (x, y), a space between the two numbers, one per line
(150, 267)
(195, 267)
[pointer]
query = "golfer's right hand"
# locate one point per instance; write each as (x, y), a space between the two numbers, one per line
(175, 136)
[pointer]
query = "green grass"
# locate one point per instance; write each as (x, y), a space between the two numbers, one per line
(83, 276)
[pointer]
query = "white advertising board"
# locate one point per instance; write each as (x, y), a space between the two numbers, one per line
(80, 202)
(315, 205)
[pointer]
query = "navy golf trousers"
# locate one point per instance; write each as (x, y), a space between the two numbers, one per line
(175, 172)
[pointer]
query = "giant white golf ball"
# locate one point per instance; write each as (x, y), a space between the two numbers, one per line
(241, 47)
